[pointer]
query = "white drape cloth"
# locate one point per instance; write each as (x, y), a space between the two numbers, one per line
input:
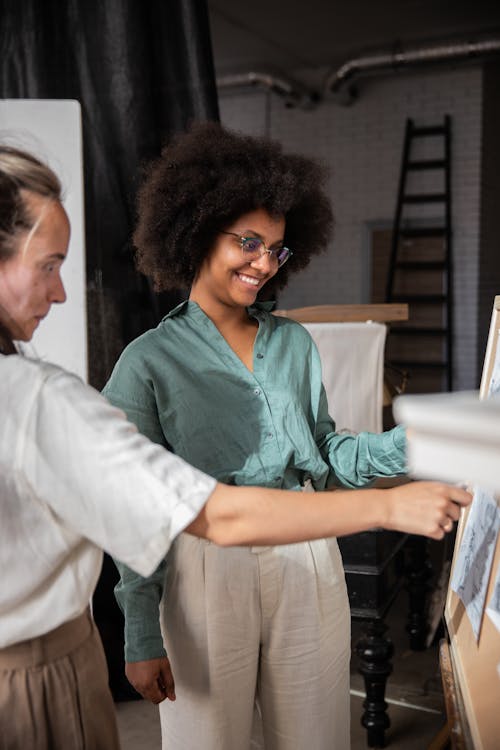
(352, 357)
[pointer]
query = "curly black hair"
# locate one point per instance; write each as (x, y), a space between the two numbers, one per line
(208, 177)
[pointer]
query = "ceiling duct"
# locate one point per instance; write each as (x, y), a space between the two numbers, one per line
(294, 94)
(340, 82)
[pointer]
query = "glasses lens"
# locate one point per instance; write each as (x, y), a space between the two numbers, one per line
(251, 245)
(282, 255)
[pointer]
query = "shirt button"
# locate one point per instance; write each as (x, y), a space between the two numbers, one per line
(260, 356)
(278, 479)
(269, 434)
(257, 392)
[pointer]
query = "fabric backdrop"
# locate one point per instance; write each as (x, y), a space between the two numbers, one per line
(141, 71)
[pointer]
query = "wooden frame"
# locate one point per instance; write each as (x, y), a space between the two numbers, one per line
(474, 683)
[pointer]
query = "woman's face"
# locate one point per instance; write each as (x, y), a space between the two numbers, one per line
(225, 275)
(30, 280)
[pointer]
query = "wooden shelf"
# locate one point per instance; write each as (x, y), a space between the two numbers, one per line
(380, 313)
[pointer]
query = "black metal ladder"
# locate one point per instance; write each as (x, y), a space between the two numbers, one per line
(414, 264)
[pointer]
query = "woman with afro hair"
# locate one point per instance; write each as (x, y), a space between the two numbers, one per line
(237, 392)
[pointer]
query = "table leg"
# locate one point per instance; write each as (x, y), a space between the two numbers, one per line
(418, 571)
(375, 650)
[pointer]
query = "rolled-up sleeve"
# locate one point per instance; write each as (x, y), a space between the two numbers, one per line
(356, 460)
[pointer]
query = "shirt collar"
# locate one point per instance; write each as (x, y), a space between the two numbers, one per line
(183, 307)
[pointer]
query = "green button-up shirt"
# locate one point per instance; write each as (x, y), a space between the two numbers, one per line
(184, 387)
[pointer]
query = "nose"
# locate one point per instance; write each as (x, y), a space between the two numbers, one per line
(58, 292)
(265, 263)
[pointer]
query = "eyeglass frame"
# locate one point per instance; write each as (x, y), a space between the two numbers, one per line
(270, 251)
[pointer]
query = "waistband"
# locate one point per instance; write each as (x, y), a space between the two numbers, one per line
(48, 647)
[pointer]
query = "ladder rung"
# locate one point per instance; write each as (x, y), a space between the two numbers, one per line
(416, 365)
(425, 198)
(423, 232)
(430, 130)
(421, 265)
(415, 331)
(430, 299)
(426, 164)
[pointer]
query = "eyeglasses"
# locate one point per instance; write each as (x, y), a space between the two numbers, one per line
(254, 248)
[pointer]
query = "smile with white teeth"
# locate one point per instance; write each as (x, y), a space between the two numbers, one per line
(249, 279)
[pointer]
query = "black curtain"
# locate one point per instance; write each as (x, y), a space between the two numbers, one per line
(141, 71)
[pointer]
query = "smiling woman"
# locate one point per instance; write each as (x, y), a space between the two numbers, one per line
(237, 392)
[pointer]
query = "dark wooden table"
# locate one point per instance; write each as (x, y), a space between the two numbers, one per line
(377, 564)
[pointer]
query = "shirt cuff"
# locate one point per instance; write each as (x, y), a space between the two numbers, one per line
(399, 435)
(146, 647)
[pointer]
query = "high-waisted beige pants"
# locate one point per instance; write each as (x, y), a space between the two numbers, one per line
(54, 692)
(265, 626)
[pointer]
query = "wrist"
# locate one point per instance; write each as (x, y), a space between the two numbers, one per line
(383, 508)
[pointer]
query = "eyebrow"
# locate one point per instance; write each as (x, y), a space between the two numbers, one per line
(260, 237)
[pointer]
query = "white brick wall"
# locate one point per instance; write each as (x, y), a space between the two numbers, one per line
(362, 144)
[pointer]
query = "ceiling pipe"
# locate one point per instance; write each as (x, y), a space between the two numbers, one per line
(340, 82)
(294, 94)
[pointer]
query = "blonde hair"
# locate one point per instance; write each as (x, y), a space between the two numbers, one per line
(21, 173)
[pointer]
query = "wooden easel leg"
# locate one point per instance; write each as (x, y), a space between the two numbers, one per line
(442, 740)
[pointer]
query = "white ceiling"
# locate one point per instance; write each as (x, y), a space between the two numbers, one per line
(292, 35)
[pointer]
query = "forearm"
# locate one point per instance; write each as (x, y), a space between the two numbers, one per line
(251, 515)
(254, 515)
(139, 600)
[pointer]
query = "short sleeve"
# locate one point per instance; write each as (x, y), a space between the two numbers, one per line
(102, 478)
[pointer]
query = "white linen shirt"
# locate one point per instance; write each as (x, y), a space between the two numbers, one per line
(75, 477)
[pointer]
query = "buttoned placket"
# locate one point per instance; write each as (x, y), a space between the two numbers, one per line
(256, 380)
(260, 367)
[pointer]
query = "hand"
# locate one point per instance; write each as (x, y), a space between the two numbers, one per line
(152, 678)
(427, 508)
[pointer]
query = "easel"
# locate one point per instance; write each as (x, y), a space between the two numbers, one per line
(452, 733)
(471, 682)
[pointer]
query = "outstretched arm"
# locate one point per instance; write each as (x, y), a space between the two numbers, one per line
(253, 515)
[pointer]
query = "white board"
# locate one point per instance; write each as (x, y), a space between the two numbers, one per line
(52, 130)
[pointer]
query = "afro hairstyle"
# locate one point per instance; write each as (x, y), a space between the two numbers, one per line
(204, 180)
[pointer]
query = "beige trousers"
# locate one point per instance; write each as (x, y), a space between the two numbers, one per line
(266, 627)
(54, 692)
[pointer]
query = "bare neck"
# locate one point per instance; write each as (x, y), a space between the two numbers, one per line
(224, 316)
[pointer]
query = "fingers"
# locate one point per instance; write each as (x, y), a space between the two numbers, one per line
(447, 525)
(167, 681)
(427, 508)
(453, 511)
(459, 495)
(155, 692)
(456, 498)
(152, 691)
(150, 678)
